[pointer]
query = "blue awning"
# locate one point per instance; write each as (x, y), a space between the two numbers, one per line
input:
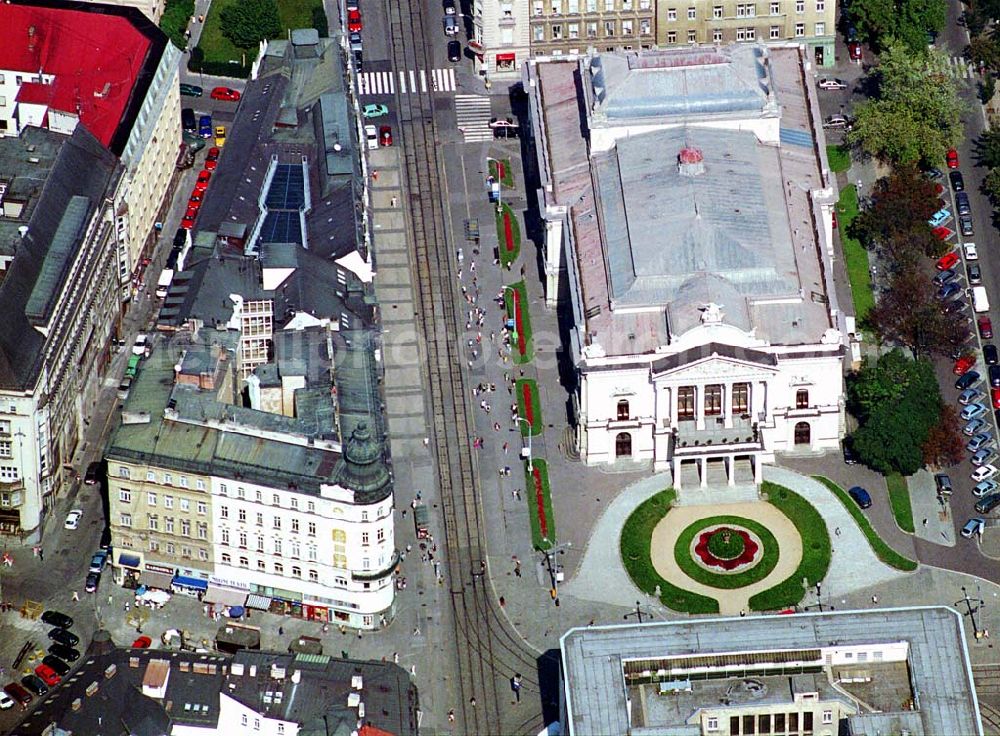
(127, 560)
(186, 582)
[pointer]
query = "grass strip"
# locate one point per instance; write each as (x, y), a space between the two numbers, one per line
(507, 180)
(899, 500)
(882, 550)
(855, 256)
(635, 547)
(539, 496)
(523, 349)
(839, 158)
(529, 406)
(508, 255)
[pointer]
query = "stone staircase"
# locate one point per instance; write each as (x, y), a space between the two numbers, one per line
(717, 490)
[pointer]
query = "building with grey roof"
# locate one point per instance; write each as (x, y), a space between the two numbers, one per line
(270, 490)
(903, 670)
(149, 692)
(689, 220)
(59, 300)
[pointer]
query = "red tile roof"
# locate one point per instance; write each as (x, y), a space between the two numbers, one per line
(95, 58)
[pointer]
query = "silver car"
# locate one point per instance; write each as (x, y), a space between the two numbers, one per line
(983, 456)
(978, 442)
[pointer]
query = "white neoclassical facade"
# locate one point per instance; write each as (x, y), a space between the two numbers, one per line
(688, 227)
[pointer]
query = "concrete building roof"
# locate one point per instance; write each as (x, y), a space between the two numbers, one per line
(682, 82)
(60, 181)
(940, 675)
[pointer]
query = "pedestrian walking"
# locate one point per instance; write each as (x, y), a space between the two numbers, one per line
(281, 631)
(875, 599)
(472, 701)
(925, 522)
(451, 716)
(41, 554)
(837, 531)
(76, 596)
(109, 599)
(503, 602)
(506, 446)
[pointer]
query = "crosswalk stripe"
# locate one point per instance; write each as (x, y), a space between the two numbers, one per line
(410, 82)
(423, 81)
(473, 115)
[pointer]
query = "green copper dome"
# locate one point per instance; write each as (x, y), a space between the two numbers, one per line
(363, 467)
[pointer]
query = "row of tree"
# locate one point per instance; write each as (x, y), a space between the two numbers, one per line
(911, 22)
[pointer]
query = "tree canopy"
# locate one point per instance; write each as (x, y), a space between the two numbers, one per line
(908, 21)
(915, 114)
(896, 401)
(248, 22)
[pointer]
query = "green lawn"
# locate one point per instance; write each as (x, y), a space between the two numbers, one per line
(726, 581)
(634, 545)
(535, 417)
(882, 550)
(508, 176)
(855, 256)
(899, 498)
(525, 326)
(542, 539)
(507, 257)
(217, 48)
(839, 158)
(816, 550)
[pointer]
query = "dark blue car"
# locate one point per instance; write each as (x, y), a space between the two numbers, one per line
(205, 126)
(860, 496)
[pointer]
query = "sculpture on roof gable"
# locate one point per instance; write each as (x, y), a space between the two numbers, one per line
(712, 314)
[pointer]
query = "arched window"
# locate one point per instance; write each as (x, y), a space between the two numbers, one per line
(802, 433)
(802, 398)
(623, 445)
(623, 410)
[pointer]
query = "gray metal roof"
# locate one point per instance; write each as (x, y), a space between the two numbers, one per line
(676, 82)
(938, 661)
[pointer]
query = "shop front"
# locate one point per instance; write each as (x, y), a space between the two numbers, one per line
(189, 585)
(156, 576)
(316, 612)
(224, 596)
(126, 567)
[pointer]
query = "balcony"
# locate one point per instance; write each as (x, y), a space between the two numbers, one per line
(368, 575)
(715, 438)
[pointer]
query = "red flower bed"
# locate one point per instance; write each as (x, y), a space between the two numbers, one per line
(749, 550)
(501, 170)
(543, 522)
(508, 231)
(529, 408)
(518, 321)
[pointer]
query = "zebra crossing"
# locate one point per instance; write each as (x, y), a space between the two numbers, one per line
(473, 114)
(406, 82)
(955, 66)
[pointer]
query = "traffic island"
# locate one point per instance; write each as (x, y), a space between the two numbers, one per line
(500, 171)
(516, 299)
(509, 235)
(529, 406)
(539, 497)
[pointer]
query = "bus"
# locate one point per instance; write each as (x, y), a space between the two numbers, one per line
(980, 302)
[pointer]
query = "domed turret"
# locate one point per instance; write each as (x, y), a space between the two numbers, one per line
(363, 467)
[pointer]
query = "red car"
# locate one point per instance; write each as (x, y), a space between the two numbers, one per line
(964, 364)
(995, 395)
(211, 160)
(195, 199)
(942, 233)
(204, 177)
(854, 50)
(947, 261)
(385, 136)
(189, 217)
(985, 327)
(143, 642)
(226, 93)
(353, 21)
(951, 158)
(48, 675)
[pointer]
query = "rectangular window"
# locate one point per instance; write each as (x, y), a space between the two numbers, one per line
(125, 519)
(627, 27)
(748, 724)
(775, 8)
(764, 723)
(740, 11)
(671, 36)
(183, 481)
(609, 27)
(741, 395)
(800, 30)
(125, 495)
(154, 546)
(202, 507)
(807, 721)
(734, 725)
(820, 6)
(556, 7)
(741, 35)
(168, 502)
(572, 7)
(224, 536)
(202, 530)
(313, 576)
(153, 522)
(150, 476)
(311, 506)
(793, 722)
(260, 519)
(645, 4)
(168, 479)
(244, 562)
(573, 30)
(671, 14)
(645, 26)
(692, 36)
(224, 512)
(151, 498)
(123, 472)
(295, 526)
(168, 524)
(296, 571)
(779, 722)
(751, 10)
(717, 11)
(295, 503)
(821, 29)
(380, 535)
(277, 522)
(685, 402)
(199, 484)
(279, 568)
(261, 565)
(226, 558)
(538, 33)
(802, 399)
(557, 31)
(713, 394)
(692, 13)
(186, 527)
(828, 716)
(277, 546)
(242, 515)
(711, 723)
(202, 554)
(751, 34)
(800, 6)
(775, 33)
(717, 35)
(222, 489)
(311, 528)
(538, 8)
(609, 6)
(185, 505)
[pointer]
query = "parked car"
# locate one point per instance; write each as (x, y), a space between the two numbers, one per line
(860, 496)
(985, 472)
(957, 181)
(454, 51)
(374, 111)
(951, 159)
(979, 441)
(987, 503)
(837, 122)
(850, 456)
(964, 364)
(985, 327)
(854, 50)
(983, 456)
(967, 380)
(191, 90)
(972, 411)
(990, 354)
(831, 83)
(944, 277)
(188, 121)
(57, 665)
(975, 274)
(948, 291)
(6, 702)
(968, 396)
(93, 473)
(385, 136)
(73, 519)
(450, 25)
(994, 374)
(962, 203)
(985, 488)
(955, 305)
(371, 137)
(220, 135)
(64, 652)
(940, 217)
(933, 173)
(942, 233)
(976, 425)
(57, 618)
(63, 636)
(966, 227)
(226, 93)
(995, 397)
(356, 41)
(18, 693)
(942, 481)
(97, 562)
(354, 24)
(973, 527)
(91, 583)
(34, 684)
(212, 158)
(47, 675)
(949, 260)
(143, 642)
(187, 222)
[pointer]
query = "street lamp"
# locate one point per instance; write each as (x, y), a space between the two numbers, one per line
(499, 182)
(531, 467)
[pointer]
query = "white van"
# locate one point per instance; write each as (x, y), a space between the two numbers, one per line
(980, 302)
(163, 285)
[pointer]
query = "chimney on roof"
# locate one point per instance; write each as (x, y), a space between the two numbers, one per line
(690, 162)
(32, 39)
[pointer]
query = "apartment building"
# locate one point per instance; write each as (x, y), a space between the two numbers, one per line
(573, 26)
(110, 69)
(809, 22)
(58, 298)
